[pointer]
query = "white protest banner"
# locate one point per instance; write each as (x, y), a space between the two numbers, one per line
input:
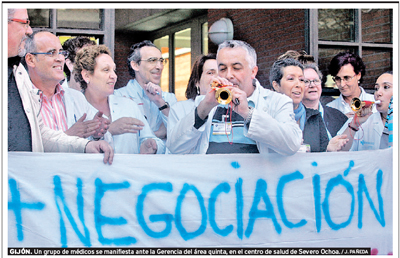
(306, 200)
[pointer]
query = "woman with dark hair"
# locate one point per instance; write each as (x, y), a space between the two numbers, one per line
(73, 45)
(204, 70)
(129, 132)
(347, 70)
(369, 131)
(287, 76)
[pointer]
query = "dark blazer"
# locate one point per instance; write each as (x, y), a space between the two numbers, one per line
(314, 132)
(334, 119)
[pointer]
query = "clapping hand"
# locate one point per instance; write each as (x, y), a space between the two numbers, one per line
(125, 125)
(83, 128)
(104, 124)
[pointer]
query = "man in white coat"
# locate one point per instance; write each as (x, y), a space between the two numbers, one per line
(23, 109)
(262, 121)
(61, 108)
(145, 64)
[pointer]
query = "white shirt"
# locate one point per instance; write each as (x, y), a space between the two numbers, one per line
(65, 84)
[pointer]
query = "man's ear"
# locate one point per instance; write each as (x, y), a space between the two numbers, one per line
(254, 72)
(30, 60)
(135, 66)
(276, 86)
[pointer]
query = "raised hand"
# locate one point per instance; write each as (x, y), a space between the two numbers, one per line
(240, 98)
(209, 101)
(154, 92)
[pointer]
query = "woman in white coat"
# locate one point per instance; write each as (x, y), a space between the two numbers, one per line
(129, 131)
(204, 70)
(369, 131)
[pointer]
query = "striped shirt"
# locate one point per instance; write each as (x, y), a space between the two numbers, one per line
(53, 110)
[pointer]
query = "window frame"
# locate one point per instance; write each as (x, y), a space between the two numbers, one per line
(358, 43)
(105, 33)
(315, 43)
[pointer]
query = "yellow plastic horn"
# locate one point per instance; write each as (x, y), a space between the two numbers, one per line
(223, 95)
(357, 104)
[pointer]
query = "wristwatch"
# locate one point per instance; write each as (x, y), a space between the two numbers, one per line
(166, 105)
(249, 116)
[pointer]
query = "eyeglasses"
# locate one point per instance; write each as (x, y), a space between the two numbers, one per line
(316, 82)
(339, 80)
(24, 22)
(53, 53)
(154, 60)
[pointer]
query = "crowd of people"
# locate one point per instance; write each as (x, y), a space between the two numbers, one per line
(82, 112)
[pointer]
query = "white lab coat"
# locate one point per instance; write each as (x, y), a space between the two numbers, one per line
(76, 105)
(272, 126)
(136, 93)
(129, 143)
(178, 111)
(368, 137)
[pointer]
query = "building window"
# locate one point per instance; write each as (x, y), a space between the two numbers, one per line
(336, 25)
(180, 45)
(98, 24)
(183, 66)
(366, 32)
(79, 18)
(204, 35)
(39, 18)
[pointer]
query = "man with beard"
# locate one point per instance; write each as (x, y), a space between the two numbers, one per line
(18, 124)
